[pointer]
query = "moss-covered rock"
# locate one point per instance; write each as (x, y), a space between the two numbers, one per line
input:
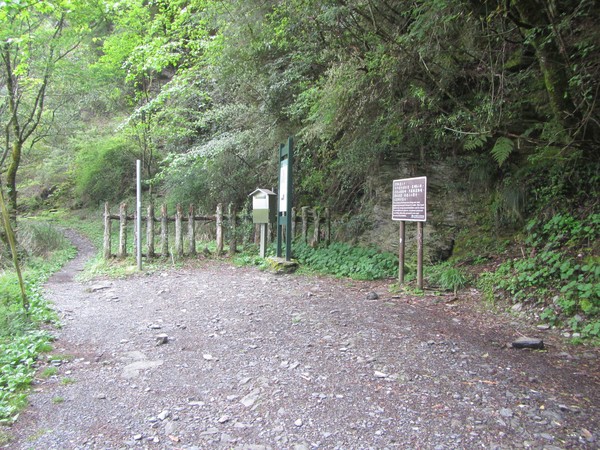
(280, 265)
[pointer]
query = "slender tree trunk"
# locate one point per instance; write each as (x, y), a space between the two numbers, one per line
(11, 177)
(554, 69)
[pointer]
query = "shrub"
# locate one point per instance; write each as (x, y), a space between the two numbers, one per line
(561, 272)
(41, 238)
(344, 260)
(447, 277)
(105, 171)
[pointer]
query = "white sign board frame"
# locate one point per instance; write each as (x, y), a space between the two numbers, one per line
(283, 186)
(409, 199)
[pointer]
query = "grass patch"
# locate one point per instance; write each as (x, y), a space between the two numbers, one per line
(5, 438)
(21, 341)
(447, 277)
(67, 380)
(59, 357)
(49, 372)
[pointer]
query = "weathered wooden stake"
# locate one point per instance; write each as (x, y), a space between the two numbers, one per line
(305, 224)
(122, 231)
(245, 226)
(191, 232)
(164, 232)
(150, 231)
(232, 230)
(219, 220)
(317, 231)
(107, 232)
(179, 231)
(327, 226)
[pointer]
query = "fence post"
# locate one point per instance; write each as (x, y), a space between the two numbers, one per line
(164, 232)
(305, 224)
(122, 231)
(232, 230)
(191, 232)
(150, 231)
(245, 226)
(178, 230)
(327, 226)
(317, 234)
(107, 230)
(219, 220)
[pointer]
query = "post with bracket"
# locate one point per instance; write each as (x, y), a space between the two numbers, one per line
(264, 211)
(409, 204)
(284, 216)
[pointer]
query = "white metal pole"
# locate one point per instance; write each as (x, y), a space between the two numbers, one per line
(139, 214)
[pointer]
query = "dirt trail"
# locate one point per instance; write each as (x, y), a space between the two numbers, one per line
(250, 360)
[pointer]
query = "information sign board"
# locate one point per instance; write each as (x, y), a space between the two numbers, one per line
(283, 186)
(409, 199)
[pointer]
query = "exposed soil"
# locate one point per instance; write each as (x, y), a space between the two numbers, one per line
(251, 360)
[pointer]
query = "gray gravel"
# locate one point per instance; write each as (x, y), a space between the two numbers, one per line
(221, 357)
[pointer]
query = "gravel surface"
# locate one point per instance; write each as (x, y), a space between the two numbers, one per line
(222, 357)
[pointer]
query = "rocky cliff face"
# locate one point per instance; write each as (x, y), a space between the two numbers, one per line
(452, 202)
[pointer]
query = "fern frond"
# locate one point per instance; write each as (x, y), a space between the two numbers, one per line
(502, 150)
(473, 142)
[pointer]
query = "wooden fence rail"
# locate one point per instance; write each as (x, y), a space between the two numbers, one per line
(224, 224)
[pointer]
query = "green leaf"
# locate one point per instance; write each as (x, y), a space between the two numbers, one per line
(502, 150)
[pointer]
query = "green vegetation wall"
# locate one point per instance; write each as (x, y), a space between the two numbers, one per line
(104, 171)
(495, 101)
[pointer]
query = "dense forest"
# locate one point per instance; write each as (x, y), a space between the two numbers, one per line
(495, 101)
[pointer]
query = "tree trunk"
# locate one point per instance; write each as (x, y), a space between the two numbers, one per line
(11, 177)
(535, 22)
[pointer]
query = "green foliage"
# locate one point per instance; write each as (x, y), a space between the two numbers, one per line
(502, 150)
(561, 272)
(343, 260)
(17, 359)
(41, 239)
(49, 372)
(20, 340)
(105, 171)
(447, 276)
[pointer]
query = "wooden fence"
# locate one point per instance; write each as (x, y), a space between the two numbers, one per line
(225, 223)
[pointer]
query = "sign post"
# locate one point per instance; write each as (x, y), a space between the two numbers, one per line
(264, 211)
(284, 215)
(409, 204)
(138, 221)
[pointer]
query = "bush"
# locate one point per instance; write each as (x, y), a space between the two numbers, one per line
(343, 260)
(447, 277)
(41, 238)
(561, 273)
(105, 171)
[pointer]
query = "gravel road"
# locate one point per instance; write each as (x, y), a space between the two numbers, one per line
(221, 357)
